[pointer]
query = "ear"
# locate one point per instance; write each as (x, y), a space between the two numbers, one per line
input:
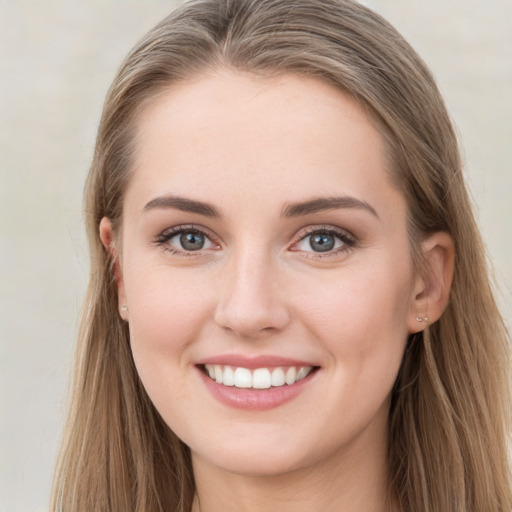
(432, 285)
(108, 241)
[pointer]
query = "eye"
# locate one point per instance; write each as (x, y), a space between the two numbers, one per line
(190, 240)
(322, 242)
(184, 239)
(325, 240)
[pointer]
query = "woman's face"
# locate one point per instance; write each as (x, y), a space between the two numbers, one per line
(264, 243)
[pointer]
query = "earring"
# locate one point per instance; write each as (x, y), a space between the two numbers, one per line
(124, 307)
(420, 319)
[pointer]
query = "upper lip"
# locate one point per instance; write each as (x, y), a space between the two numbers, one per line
(262, 361)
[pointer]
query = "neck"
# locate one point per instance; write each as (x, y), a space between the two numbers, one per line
(352, 481)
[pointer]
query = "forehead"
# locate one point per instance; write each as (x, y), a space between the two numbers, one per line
(232, 133)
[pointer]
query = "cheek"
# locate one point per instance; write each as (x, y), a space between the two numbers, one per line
(165, 301)
(363, 302)
(167, 312)
(362, 322)
(363, 327)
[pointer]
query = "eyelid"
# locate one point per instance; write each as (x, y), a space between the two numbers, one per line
(348, 239)
(165, 236)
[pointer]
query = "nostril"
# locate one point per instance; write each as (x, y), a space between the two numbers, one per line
(252, 320)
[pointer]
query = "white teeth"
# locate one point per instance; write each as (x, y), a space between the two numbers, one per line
(291, 373)
(243, 378)
(228, 376)
(278, 377)
(260, 378)
(303, 372)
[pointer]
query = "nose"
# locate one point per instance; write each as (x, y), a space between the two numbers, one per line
(252, 301)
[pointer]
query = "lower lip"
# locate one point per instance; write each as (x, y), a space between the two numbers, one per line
(255, 399)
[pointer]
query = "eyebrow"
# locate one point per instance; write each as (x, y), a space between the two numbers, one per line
(321, 204)
(298, 209)
(184, 204)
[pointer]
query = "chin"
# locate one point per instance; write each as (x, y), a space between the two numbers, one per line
(262, 459)
(261, 465)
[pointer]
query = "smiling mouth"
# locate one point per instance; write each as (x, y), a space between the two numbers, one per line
(258, 378)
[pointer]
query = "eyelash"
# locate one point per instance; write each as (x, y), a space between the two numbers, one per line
(348, 241)
(164, 238)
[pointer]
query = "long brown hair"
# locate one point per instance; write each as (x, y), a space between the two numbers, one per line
(449, 419)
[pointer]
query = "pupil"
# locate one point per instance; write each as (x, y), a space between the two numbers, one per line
(321, 242)
(192, 241)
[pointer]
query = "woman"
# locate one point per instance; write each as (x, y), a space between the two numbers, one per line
(289, 306)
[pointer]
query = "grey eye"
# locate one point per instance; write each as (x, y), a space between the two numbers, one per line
(192, 240)
(179, 240)
(322, 242)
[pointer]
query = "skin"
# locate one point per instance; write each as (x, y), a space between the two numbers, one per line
(249, 147)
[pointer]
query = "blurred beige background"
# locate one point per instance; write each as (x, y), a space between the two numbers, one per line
(57, 58)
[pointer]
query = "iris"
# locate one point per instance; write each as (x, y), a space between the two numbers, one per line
(192, 241)
(321, 242)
